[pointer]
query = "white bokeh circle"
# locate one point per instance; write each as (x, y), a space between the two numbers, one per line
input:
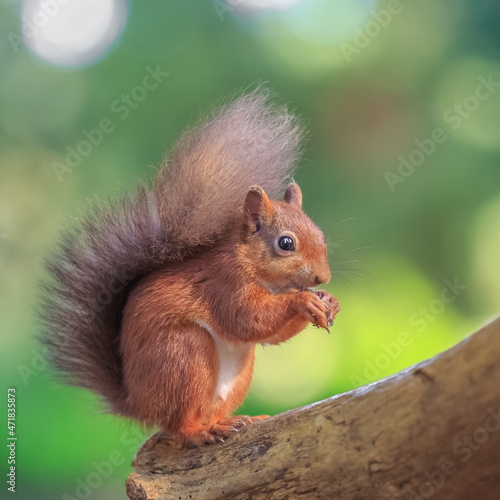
(72, 33)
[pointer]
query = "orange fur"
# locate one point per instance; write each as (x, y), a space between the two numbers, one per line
(157, 300)
(238, 290)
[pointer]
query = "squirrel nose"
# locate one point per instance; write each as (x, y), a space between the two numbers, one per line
(323, 278)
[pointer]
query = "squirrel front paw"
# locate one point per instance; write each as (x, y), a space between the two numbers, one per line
(313, 308)
(332, 305)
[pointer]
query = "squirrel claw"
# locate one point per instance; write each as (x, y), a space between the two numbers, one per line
(329, 320)
(229, 425)
(331, 305)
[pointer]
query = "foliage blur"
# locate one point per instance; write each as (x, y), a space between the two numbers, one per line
(401, 170)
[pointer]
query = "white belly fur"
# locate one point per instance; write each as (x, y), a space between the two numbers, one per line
(231, 359)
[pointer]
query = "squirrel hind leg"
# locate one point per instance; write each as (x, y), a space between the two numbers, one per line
(218, 424)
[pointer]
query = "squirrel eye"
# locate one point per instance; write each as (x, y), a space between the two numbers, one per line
(286, 243)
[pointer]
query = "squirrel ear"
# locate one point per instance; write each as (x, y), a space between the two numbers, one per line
(293, 195)
(257, 206)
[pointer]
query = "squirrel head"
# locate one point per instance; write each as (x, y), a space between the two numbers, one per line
(286, 249)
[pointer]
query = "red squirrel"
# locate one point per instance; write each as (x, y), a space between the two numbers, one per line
(158, 300)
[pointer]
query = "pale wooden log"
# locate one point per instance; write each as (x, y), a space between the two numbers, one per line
(388, 440)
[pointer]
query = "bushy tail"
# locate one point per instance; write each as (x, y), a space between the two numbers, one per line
(197, 191)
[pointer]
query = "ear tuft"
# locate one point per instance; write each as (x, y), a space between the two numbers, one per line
(293, 195)
(257, 205)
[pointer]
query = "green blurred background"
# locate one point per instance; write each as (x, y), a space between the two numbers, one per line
(401, 171)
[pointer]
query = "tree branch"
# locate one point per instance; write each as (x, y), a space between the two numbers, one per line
(432, 430)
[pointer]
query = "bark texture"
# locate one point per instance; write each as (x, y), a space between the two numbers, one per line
(430, 431)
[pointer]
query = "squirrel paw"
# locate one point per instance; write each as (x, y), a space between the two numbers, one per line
(227, 426)
(219, 431)
(314, 308)
(332, 305)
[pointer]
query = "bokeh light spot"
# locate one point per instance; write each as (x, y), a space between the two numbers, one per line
(307, 36)
(72, 32)
(262, 4)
